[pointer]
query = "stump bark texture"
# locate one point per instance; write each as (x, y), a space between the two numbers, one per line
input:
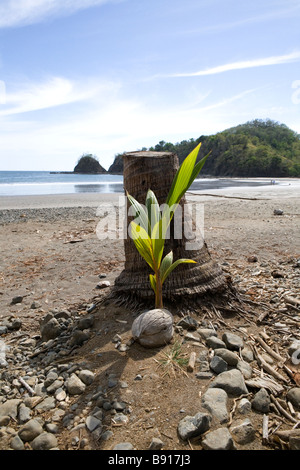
(155, 170)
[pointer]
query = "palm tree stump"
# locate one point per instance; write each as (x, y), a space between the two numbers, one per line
(155, 170)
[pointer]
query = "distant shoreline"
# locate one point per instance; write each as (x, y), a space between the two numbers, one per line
(289, 188)
(72, 184)
(78, 173)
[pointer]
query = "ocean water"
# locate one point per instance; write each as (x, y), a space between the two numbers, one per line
(25, 183)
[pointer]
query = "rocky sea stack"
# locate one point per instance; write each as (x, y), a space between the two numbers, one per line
(89, 165)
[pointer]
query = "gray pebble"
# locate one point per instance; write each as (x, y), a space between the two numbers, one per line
(206, 333)
(16, 443)
(261, 401)
(24, 414)
(244, 406)
(232, 341)
(74, 385)
(92, 423)
(156, 444)
(118, 406)
(293, 395)
(232, 381)
(124, 446)
(86, 376)
(243, 432)
(215, 401)
(247, 354)
(229, 356)
(192, 426)
(107, 435)
(245, 369)
(30, 430)
(188, 323)
(17, 299)
(44, 441)
(3, 330)
(52, 427)
(218, 365)
(112, 382)
(220, 439)
(10, 408)
(120, 418)
(215, 343)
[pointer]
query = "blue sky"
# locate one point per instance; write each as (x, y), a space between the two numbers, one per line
(107, 76)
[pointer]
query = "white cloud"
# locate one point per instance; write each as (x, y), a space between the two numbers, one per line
(226, 101)
(56, 91)
(107, 121)
(24, 12)
(286, 10)
(110, 123)
(244, 64)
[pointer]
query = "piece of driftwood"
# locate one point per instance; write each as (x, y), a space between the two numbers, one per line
(292, 300)
(28, 388)
(285, 435)
(265, 382)
(262, 317)
(265, 429)
(282, 410)
(234, 407)
(191, 364)
(227, 197)
(268, 368)
(269, 350)
(292, 411)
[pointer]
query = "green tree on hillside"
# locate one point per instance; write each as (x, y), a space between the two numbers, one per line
(257, 148)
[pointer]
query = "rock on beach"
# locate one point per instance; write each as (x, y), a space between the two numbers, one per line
(232, 381)
(192, 426)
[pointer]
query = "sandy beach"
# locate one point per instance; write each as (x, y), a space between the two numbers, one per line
(285, 187)
(50, 251)
(52, 258)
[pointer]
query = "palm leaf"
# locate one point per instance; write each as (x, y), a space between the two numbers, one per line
(174, 265)
(152, 282)
(158, 237)
(143, 243)
(165, 264)
(197, 169)
(153, 211)
(141, 216)
(182, 178)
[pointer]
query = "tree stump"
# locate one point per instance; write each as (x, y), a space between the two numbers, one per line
(155, 170)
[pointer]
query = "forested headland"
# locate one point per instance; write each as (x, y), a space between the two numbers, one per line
(259, 148)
